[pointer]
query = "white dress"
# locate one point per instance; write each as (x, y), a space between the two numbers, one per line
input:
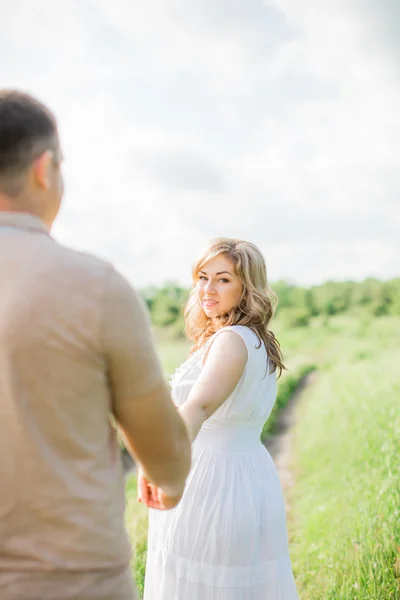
(227, 538)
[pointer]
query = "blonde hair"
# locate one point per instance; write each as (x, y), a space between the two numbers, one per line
(257, 304)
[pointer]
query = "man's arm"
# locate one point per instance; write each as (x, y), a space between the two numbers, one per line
(156, 435)
(152, 427)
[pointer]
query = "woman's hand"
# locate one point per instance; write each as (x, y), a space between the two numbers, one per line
(147, 492)
(153, 496)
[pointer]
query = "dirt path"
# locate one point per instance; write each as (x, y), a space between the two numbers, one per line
(280, 443)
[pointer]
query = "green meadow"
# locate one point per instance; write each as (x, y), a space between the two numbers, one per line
(345, 528)
(344, 525)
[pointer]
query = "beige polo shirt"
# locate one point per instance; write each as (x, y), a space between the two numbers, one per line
(75, 342)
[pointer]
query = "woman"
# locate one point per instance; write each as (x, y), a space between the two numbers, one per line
(226, 539)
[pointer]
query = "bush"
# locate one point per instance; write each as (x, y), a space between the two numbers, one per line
(296, 317)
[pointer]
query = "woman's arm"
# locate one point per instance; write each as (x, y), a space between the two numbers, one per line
(225, 363)
(220, 375)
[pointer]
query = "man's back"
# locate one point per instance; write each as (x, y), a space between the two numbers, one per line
(75, 348)
(62, 488)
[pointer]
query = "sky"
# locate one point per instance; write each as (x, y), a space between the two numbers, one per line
(182, 120)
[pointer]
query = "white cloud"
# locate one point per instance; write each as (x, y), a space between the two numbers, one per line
(273, 121)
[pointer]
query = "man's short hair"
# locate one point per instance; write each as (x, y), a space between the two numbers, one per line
(27, 129)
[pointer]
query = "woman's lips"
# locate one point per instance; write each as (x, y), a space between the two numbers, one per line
(210, 303)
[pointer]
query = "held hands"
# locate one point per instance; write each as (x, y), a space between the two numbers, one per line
(153, 496)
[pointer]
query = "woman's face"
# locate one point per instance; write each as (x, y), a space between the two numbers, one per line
(218, 288)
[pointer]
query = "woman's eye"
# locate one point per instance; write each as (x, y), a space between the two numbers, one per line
(224, 280)
(202, 278)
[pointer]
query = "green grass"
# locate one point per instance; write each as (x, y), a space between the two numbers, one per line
(136, 518)
(172, 354)
(346, 521)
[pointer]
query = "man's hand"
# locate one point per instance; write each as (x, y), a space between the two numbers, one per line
(153, 496)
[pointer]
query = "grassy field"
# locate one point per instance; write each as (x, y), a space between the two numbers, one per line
(344, 530)
(346, 522)
(136, 522)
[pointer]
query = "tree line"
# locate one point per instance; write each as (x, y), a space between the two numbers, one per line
(296, 304)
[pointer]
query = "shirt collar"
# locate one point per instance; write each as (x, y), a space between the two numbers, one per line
(24, 221)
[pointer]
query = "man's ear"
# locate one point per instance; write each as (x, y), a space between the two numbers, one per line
(42, 170)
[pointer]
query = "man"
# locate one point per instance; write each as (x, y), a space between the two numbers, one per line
(75, 348)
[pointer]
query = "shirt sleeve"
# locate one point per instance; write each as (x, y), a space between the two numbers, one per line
(132, 361)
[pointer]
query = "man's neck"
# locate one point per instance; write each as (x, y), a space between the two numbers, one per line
(19, 204)
(8, 204)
